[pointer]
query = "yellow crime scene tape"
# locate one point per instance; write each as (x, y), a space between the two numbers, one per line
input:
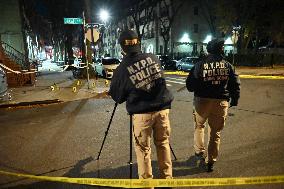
(176, 73)
(261, 77)
(138, 183)
(182, 73)
(9, 69)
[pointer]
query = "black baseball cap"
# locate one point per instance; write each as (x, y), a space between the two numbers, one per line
(215, 46)
(129, 41)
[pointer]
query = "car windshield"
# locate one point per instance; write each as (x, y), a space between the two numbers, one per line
(189, 60)
(109, 61)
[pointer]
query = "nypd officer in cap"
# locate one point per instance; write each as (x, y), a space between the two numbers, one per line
(139, 81)
(215, 85)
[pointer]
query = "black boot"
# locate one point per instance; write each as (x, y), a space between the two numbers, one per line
(200, 156)
(209, 167)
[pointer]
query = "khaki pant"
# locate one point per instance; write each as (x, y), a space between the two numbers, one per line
(144, 124)
(215, 111)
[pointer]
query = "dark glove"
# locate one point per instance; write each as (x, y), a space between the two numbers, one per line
(233, 102)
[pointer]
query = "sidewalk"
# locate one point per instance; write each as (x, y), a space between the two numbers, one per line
(261, 71)
(54, 87)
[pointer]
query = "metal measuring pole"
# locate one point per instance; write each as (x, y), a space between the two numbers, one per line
(130, 146)
(107, 131)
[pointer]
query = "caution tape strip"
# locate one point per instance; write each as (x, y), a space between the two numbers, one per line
(176, 73)
(241, 76)
(138, 183)
(9, 69)
(73, 65)
(261, 77)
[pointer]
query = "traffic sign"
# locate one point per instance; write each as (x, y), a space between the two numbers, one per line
(73, 21)
(96, 34)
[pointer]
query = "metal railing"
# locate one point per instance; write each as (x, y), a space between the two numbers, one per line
(15, 55)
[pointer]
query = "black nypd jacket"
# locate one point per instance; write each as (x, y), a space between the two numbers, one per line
(213, 77)
(139, 81)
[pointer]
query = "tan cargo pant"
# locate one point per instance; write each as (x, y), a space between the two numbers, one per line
(215, 111)
(144, 124)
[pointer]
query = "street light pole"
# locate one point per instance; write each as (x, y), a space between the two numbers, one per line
(104, 16)
(235, 39)
(86, 47)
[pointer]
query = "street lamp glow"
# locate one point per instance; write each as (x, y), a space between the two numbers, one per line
(104, 15)
(228, 41)
(207, 39)
(185, 38)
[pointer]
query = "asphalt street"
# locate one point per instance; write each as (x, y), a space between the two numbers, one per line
(64, 139)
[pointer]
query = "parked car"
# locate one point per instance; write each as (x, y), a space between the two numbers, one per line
(185, 64)
(169, 65)
(166, 62)
(106, 66)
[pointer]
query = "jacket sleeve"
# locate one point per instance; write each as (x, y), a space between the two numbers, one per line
(234, 86)
(118, 91)
(191, 80)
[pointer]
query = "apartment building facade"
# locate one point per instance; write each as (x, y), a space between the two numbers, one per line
(188, 36)
(11, 28)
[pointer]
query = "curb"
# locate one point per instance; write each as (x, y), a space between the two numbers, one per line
(32, 103)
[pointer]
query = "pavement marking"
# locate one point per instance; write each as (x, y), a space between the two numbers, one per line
(171, 81)
(138, 183)
(176, 80)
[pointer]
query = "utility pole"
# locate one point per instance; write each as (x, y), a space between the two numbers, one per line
(86, 47)
(235, 39)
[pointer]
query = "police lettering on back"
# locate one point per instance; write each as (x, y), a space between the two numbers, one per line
(143, 73)
(215, 72)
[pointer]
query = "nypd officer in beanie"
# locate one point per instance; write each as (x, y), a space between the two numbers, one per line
(139, 81)
(216, 86)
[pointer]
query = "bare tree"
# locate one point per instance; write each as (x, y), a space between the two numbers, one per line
(169, 10)
(142, 14)
(207, 10)
(258, 20)
(51, 13)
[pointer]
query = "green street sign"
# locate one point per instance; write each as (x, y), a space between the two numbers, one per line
(73, 21)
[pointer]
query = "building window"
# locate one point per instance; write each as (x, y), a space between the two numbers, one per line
(195, 10)
(161, 49)
(195, 28)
